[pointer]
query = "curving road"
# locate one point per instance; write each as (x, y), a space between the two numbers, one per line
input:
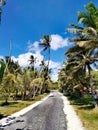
(48, 115)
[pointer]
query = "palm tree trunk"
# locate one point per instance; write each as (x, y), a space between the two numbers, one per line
(91, 84)
(49, 58)
(90, 79)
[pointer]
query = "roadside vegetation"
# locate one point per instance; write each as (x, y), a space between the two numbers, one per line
(14, 106)
(22, 86)
(89, 116)
(77, 78)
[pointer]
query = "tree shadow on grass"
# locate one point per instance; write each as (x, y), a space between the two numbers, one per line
(2, 116)
(8, 103)
(86, 107)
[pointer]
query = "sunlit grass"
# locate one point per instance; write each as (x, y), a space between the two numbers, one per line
(89, 116)
(15, 106)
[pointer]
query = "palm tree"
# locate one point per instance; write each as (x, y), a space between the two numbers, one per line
(45, 43)
(36, 86)
(86, 37)
(44, 74)
(2, 68)
(81, 59)
(88, 18)
(32, 60)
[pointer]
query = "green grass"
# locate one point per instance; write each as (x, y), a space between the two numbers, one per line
(86, 111)
(88, 116)
(15, 106)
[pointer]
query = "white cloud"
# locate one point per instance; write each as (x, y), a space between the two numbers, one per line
(54, 75)
(23, 59)
(55, 66)
(58, 42)
(1, 57)
(33, 47)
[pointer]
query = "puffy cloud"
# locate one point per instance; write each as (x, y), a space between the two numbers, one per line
(53, 64)
(23, 59)
(34, 49)
(58, 42)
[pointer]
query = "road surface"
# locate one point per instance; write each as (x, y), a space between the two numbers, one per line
(48, 115)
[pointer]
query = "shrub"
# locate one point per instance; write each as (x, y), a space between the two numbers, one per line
(84, 100)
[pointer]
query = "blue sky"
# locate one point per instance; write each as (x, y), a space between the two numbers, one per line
(26, 21)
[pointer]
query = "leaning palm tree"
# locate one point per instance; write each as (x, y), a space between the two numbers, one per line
(86, 37)
(81, 60)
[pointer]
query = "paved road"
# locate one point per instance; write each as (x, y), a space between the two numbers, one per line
(48, 115)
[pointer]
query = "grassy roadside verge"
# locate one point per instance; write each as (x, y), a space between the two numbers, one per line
(88, 115)
(15, 106)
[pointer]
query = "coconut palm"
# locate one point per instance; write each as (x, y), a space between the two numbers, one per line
(45, 43)
(36, 86)
(32, 60)
(80, 60)
(86, 37)
(88, 18)
(44, 74)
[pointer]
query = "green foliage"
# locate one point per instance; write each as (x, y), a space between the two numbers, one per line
(75, 95)
(53, 85)
(84, 100)
(2, 67)
(73, 76)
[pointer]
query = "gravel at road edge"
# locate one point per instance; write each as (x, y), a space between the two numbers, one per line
(73, 121)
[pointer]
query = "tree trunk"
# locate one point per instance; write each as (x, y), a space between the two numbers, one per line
(91, 84)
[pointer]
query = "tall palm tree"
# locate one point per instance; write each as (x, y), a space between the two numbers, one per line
(45, 43)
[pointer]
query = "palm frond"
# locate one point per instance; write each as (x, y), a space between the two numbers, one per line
(90, 32)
